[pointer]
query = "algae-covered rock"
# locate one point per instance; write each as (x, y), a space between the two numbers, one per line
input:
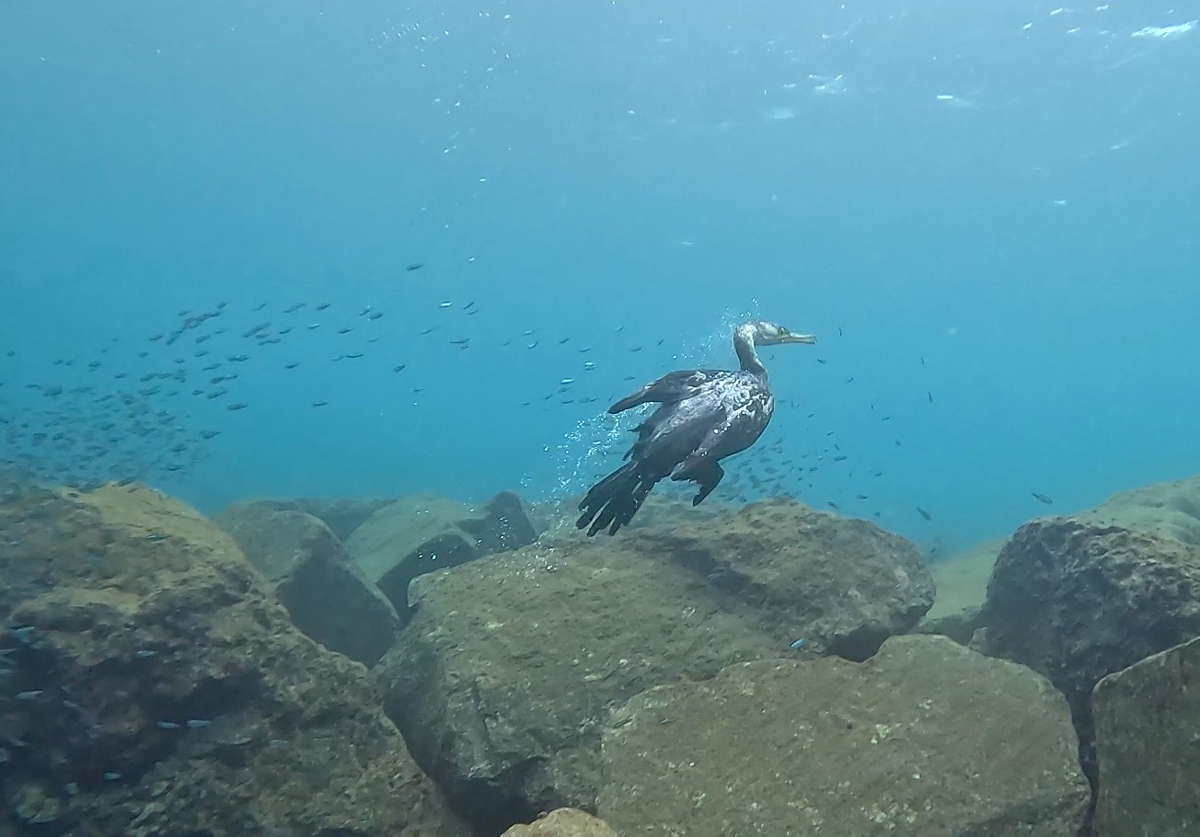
(1146, 719)
(565, 822)
(156, 687)
(324, 591)
(926, 738)
(424, 532)
(504, 678)
(1167, 510)
(1075, 601)
(842, 585)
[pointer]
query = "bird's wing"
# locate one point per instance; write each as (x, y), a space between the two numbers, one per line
(670, 388)
(687, 431)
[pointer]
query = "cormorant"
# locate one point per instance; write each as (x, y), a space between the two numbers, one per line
(703, 416)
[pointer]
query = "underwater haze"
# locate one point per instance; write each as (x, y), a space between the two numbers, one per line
(435, 241)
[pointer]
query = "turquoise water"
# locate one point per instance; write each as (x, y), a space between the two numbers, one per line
(986, 213)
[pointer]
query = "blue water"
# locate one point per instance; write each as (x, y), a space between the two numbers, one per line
(991, 205)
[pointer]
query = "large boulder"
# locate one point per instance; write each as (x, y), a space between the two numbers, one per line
(324, 591)
(926, 738)
(1147, 717)
(424, 532)
(504, 678)
(838, 585)
(1076, 600)
(153, 686)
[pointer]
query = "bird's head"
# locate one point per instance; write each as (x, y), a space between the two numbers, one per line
(770, 334)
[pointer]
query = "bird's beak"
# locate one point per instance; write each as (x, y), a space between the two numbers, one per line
(799, 338)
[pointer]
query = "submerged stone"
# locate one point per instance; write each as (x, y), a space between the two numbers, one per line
(424, 533)
(565, 822)
(1076, 600)
(925, 738)
(505, 676)
(324, 591)
(1148, 761)
(293, 740)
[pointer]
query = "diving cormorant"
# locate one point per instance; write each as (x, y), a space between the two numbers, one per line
(703, 416)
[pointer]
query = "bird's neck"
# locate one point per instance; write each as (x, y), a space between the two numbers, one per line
(743, 344)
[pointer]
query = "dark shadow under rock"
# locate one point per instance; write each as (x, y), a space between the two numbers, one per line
(155, 687)
(327, 595)
(424, 533)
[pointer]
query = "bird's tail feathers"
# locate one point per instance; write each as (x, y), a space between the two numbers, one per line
(612, 502)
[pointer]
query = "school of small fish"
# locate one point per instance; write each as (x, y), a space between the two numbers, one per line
(145, 413)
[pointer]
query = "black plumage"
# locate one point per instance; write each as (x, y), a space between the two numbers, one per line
(704, 415)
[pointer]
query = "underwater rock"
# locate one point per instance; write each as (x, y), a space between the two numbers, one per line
(153, 686)
(33, 804)
(961, 582)
(1146, 719)
(926, 737)
(842, 584)
(341, 514)
(1146, 722)
(424, 532)
(1166, 509)
(327, 595)
(565, 822)
(1076, 601)
(504, 677)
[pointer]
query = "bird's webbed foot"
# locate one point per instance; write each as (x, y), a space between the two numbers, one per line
(707, 480)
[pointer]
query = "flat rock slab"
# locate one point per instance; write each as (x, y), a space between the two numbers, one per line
(153, 686)
(424, 533)
(1147, 717)
(341, 514)
(505, 676)
(328, 597)
(926, 738)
